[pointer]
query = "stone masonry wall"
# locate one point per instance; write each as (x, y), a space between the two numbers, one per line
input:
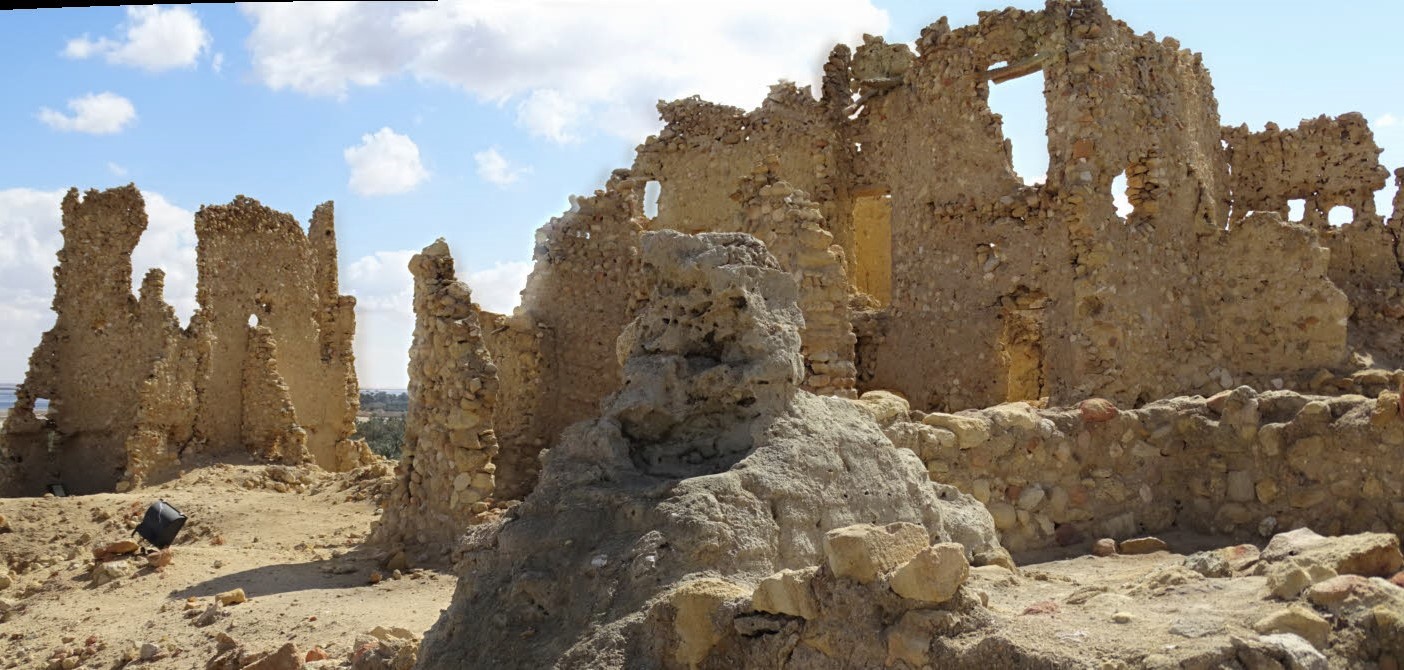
(257, 262)
(582, 291)
(97, 353)
(132, 394)
(792, 228)
(445, 475)
(1240, 463)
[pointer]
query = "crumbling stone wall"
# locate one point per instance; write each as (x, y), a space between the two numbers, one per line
(132, 393)
(1240, 463)
(994, 290)
(792, 228)
(445, 475)
(257, 262)
(580, 294)
(515, 346)
(99, 349)
(269, 426)
(705, 148)
(1325, 162)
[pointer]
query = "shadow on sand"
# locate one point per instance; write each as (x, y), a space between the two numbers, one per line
(349, 570)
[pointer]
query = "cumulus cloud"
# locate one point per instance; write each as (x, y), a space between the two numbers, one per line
(116, 169)
(385, 163)
(154, 39)
(96, 113)
(384, 291)
(494, 169)
(529, 54)
(30, 225)
(217, 63)
(1386, 120)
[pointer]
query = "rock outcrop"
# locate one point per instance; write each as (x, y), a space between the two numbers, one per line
(709, 463)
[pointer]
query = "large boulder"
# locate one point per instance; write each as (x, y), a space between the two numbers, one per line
(709, 464)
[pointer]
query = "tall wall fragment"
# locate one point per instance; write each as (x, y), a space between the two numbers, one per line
(446, 471)
(99, 350)
(792, 228)
(580, 294)
(132, 393)
(257, 262)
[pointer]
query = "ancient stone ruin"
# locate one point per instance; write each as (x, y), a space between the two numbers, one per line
(874, 245)
(264, 368)
(446, 469)
(688, 474)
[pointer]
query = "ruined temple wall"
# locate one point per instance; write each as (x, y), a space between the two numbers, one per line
(515, 346)
(1278, 310)
(1239, 463)
(1329, 162)
(704, 148)
(1122, 103)
(792, 228)
(1324, 161)
(581, 293)
(958, 210)
(446, 471)
(102, 345)
(1002, 291)
(254, 261)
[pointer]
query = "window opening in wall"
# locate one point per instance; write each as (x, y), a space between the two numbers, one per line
(872, 232)
(1296, 210)
(1340, 215)
(253, 320)
(1023, 110)
(1120, 198)
(652, 190)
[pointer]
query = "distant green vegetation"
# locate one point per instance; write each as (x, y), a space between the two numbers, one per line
(385, 435)
(380, 401)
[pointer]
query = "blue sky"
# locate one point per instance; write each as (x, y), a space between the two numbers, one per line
(476, 121)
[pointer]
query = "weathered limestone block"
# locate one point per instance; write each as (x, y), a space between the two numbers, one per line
(787, 592)
(934, 575)
(865, 552)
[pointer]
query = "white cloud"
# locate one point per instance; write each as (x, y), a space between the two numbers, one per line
(567, 66)
(217, 63)
(97, 113)
(385, 163)
(155, 39)
(116, 170)
(30, 224)
(546, 113)
(495, 169)
(498, 289)
(384, 291)
(1386, 120)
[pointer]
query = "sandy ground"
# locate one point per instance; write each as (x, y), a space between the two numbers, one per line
(296, 555)
(293, 540)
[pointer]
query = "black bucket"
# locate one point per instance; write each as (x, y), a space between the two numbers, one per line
(160, 525)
